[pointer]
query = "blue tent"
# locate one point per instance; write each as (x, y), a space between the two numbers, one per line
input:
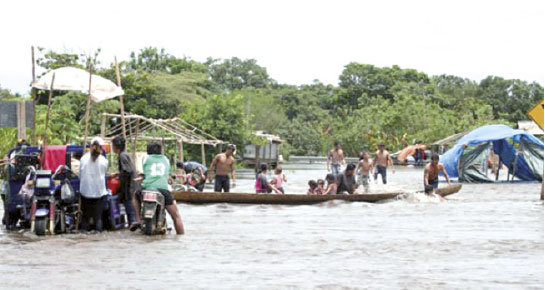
(526, 165)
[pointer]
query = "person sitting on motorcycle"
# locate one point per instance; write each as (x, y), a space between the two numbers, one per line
(156, 176)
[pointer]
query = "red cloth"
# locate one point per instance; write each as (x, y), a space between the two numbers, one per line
(113, 184)
(54, 156)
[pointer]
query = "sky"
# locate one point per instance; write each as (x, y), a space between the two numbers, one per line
(297, 41)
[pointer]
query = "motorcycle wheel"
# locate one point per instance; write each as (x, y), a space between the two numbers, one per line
(148, 224)
(40, 225)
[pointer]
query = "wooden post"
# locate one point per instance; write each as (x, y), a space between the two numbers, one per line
(121, 104)
(34, 140)
(134, 140)
(46, 137)
(203, 154)
(163, 144)
(270, 154)
(88, 107)
(181, 148)
(498, 170)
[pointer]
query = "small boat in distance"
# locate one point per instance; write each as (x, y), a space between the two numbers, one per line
(291, 199)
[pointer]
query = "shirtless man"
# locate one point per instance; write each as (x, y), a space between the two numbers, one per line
(381, 162)
(223, 163)
(363, 169)
(335, 156)
(431, 172)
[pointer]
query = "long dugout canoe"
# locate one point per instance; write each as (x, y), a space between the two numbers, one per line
(293, 199)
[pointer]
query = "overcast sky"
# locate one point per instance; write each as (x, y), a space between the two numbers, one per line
(297, 41)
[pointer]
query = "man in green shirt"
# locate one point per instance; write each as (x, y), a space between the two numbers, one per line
(157, 173)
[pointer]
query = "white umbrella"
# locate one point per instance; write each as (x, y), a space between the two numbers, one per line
(75, 79)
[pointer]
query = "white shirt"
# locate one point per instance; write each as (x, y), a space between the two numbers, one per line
(93, 176)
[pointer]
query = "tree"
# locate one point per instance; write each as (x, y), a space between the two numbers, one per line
(510, 99)
(235, 74)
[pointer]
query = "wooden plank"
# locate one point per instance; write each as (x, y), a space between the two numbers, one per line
(21, 120)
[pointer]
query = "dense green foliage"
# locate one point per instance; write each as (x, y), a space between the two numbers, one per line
(230, 98)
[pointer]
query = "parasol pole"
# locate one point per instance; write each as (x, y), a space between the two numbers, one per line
(48, 109)
(88, 108)
(121, 105)
(34, 140)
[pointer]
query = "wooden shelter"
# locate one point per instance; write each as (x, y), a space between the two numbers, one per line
(161, 130)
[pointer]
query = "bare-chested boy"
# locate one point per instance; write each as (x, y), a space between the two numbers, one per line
(335, 156)
(363, 169)
(431, 172)
(223, 163)
(381, 162)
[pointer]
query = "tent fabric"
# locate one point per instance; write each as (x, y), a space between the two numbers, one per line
(75, 79)
(409, 150)
(533, 155)
(473, 163)
(498, 136)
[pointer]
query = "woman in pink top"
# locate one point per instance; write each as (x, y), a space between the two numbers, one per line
(278, 180)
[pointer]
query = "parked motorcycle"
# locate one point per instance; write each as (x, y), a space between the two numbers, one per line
(43, 203)
(67, 209)
(153, 212)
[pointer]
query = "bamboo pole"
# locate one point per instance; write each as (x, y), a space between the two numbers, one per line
(34, 140)
(121, 104)
(88, 107)
(48, 109)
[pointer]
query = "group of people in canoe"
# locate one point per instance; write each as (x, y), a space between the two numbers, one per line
(354, 179)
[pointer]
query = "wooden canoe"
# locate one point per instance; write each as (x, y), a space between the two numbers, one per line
(294, 199)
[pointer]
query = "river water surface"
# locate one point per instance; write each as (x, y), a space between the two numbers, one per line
(486, 236)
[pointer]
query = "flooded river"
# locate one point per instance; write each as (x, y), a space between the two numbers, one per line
(485, 236)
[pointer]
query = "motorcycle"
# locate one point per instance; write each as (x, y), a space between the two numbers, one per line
(153, 212)
(67, 209)
(43, 203)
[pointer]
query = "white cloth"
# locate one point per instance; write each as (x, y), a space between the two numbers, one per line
(93, 176)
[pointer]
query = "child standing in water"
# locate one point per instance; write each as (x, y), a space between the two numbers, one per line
(279, 179)
(331, 185)
(364, 169)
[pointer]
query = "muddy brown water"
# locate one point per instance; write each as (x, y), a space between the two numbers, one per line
(485, 236)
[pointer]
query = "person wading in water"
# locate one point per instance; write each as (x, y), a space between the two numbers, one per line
(431, 172)
(381, 162)
(335, 156)
(223, 163)
(363, 170)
